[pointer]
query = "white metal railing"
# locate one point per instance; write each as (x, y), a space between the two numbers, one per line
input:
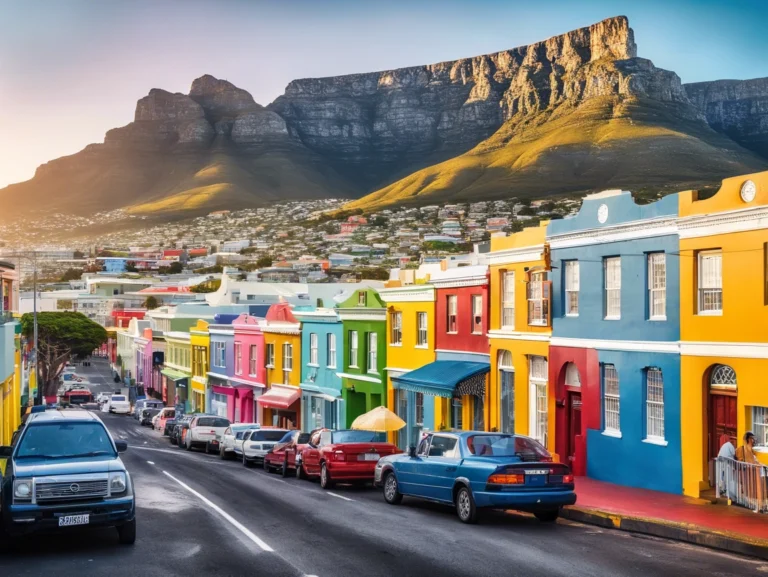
(743, 483)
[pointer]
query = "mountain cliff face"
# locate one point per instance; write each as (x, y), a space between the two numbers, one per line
(574, 113)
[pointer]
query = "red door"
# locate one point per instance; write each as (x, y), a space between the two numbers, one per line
(722, 421)
(574, 424)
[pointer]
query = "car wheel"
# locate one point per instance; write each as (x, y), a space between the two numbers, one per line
(325, 477)
(300, 474)
(284, 469)
(392, 494)
(222, 453)
(547, 516)
(127, 533)
(173, 440)
(246, 462)
(465, 506)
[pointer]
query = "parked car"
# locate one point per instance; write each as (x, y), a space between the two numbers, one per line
(282, 457)
(145, 419)
(142, 404)
(343, 456)
(471, 470)
(175, 429)
(102, 398)
(231, 441)
(257, 442)
(204, 431)
(162, 417)
(119, 404)
(64, 471)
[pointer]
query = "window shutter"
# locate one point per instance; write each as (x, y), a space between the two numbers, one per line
(547, 292)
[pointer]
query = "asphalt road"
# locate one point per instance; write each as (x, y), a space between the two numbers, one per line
(198, 515)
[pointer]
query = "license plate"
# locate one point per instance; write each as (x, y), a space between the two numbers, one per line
(70, 520)
(537, 472)
(371, 457)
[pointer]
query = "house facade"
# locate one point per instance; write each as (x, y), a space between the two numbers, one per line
(364, 319)
(724, 315)
(177, 370)
(200, 343)
(614, 363)
(249, 372)
(224, 398)
(281, 402)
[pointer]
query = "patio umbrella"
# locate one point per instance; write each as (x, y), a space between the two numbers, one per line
(380, 420)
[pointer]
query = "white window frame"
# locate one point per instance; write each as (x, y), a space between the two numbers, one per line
(572, 288)
(612, 297)
(418, 403)
(654, 405)
(238, 358)
(253, 355)
(287, 361)
(313, 352)
(760, 426)
(508, 301)
(373, 353)
(712, 260)
(331, 341)
(611, 401)
(539, 401)
(354, 349)
(452, 314)
(657, 286)
(477, 312)
(540, 316)
(362, 298)
(270, 357)
(422, 330)
(220, 354)
(396, 329)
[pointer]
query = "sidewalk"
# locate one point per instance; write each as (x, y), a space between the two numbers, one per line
(670, 516)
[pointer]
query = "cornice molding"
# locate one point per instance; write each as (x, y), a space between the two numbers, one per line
(631, 230)
(455, 283)
(519, 336)
(516, 255)
(740, 220)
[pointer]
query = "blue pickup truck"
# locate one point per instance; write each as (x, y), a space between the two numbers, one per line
(63, 471)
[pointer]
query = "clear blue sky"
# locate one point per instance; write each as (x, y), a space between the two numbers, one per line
(72, 69)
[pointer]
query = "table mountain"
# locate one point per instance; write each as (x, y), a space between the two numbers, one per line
(573, 113)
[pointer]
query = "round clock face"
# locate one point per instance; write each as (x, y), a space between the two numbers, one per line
(602, 213)
(748, 191)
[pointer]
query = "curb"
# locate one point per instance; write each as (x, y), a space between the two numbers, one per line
(724, 541)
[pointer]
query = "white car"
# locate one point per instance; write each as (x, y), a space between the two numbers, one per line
(231, 441)
(204, 431)
(119, 404)
(257, 442)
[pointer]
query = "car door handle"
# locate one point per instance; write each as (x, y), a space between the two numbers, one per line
(450, 469)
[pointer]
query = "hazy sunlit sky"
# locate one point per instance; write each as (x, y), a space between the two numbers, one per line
(72, 69)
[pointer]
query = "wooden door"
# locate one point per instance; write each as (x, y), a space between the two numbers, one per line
(574, 424)
(722, 421)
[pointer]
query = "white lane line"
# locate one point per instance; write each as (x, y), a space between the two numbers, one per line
(234, 522)
(151, 462)
(169, 451)
(338, 496)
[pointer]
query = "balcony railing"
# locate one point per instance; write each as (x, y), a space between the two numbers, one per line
(745, 484)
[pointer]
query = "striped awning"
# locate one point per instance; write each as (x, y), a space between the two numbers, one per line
(445, 379)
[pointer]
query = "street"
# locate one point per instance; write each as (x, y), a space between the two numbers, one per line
(199, 515)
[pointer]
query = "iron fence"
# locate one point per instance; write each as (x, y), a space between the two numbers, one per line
(745, 484)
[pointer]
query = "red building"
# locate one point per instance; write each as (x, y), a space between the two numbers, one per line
(122, 317)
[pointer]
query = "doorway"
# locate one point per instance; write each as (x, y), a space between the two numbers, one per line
(574, 424)
(722, 421)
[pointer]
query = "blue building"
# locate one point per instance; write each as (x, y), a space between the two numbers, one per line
(322, 357)
(614, 365)
(221, 367)
(114, 264)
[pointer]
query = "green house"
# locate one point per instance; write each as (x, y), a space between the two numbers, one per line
(364, 321)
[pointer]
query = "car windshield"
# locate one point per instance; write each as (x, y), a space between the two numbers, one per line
(267, 435)
(506, 446)
(215, 422)
(353, 437)
(118, 398)
(65, 440)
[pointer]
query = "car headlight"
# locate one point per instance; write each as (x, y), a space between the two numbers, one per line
(117, 483)
(22, 489)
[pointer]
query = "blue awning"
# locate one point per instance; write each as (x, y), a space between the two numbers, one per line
(329, 392)
(443, 378)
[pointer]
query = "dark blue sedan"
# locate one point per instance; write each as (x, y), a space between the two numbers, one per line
(472, 470)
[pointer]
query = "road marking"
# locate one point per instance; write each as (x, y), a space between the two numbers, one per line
(151, 462)
(234, 522)
(339, 496)
(169, 451)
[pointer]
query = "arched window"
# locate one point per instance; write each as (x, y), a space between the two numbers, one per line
(722, 377)
(507, 388)
(572, 378)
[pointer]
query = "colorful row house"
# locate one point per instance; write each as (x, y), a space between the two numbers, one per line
(224, 399)
(177, 372)
(200, 345)
(281, 402)
(249, 373)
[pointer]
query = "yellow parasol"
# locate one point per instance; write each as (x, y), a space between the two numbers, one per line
(380, 420)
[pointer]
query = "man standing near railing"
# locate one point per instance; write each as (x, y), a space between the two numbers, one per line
(727, 451)
(755, 476)
(746, 452)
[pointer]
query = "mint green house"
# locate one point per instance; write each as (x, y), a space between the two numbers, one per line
(364, 322)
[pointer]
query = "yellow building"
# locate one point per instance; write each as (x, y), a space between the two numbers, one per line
(410, 345)
(280, 404)
(200, 342)
(723, 322)
(178, 369)
(519, 396)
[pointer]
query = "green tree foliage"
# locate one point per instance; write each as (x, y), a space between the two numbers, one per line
(208, 286)
(210, 269)
(71, 274)
(64, 304)
(61, 335)
(526, 211)
(264, 261)
(442, 246)
(130, 266)
(373, 273)
(151, 303)
(176, 267)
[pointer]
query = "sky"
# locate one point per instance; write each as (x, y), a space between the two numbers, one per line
(72, 69)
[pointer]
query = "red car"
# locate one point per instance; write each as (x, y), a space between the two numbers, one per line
(342, 456)
(282, 457)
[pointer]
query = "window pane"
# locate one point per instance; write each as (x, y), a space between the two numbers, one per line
(612, 267)
(657, 285)
(611, 398)
(654, 404)
(508, 301)
(760, 425)
(572, 287)
(710, 282)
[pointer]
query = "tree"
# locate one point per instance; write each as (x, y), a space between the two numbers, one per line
(78, 254)
(176, 267)
(71, 274)
(130, 266)
(151, 303)
(64, 304)
(373, 273)
(264, 261)
(61, 335)
(209, 286)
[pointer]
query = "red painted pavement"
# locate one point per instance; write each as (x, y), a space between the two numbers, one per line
(647, 504)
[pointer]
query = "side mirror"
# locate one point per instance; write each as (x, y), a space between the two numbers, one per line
(412, 451)
(122, 446)
(5, 451)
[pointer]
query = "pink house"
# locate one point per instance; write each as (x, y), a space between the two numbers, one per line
(249, 372)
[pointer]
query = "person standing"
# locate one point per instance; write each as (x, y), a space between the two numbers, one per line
(727, 481)
(752, 478)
